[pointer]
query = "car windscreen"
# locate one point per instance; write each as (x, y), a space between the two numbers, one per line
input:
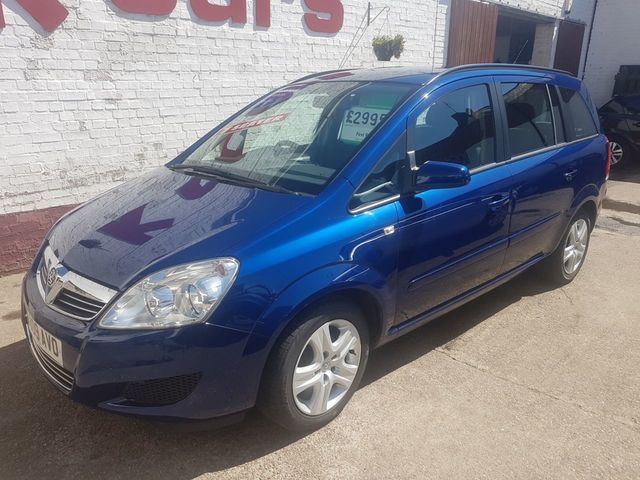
(297, 138)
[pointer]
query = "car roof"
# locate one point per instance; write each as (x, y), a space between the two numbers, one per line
(422, 76)
(412, 75)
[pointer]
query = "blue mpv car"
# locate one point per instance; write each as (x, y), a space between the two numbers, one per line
(262, 265)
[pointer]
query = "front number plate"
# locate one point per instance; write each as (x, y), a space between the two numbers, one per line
(49, 344)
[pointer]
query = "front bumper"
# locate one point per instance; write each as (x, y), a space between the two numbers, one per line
(109, 369)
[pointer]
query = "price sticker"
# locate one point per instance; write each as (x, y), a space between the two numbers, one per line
(359, 122)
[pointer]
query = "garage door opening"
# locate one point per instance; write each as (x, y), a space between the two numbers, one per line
(515, 38)
(485, 32)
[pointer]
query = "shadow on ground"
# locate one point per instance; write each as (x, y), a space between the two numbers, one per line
(43, 434)
(627, 173)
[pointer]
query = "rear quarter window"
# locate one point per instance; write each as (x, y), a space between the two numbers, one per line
(580, 123)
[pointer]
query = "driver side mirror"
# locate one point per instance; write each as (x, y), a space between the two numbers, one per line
(436, 175)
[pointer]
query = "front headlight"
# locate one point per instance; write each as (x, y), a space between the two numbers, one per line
(173, 297)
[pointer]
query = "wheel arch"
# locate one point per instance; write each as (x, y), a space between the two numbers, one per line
(586, 201)
(267, 335)
(370, 291)
(591, 209)
(587, 198)
(361, 298)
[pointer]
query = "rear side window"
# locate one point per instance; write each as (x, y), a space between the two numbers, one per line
(458, 128)
(529, 117)
(580, 123)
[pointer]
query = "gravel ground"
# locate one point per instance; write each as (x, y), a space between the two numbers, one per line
(525, 382)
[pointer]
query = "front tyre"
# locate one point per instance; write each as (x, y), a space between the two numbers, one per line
(565, 263)
(317, 367)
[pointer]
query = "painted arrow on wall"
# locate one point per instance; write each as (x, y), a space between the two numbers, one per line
(48, 13)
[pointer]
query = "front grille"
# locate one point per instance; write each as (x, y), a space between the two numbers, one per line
(69, 292)
(161, 391)
(77, 304)
(43, 273)
(60, 376)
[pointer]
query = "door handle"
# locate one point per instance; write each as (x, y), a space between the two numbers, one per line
(498, 202)
(568, 176)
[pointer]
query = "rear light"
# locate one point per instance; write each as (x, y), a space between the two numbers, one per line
(608, 168)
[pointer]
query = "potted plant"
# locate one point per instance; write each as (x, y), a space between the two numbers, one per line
(386, 47)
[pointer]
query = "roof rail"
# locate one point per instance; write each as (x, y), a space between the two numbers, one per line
(318, 74)
(473, 66)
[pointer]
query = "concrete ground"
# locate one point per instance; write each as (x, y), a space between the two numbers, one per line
(525, 382)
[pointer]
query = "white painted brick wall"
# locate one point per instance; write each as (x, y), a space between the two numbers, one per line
(110, 94)
(543, 45)
(615, 41)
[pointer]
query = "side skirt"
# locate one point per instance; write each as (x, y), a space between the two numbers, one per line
(455, 302)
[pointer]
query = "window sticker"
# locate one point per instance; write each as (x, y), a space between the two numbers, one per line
(359, 122)
(236, 140)
(257, 123)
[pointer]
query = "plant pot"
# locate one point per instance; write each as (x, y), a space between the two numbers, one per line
(386, 47)
(383, 54)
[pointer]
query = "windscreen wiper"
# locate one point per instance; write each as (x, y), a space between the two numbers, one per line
(227, 177)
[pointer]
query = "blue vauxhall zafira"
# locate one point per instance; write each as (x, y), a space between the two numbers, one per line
(261, 266)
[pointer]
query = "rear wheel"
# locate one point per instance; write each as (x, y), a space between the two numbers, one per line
(565, 263)
(316, 368)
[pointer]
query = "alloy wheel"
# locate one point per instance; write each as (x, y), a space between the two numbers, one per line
(326, 367)
(616, 153)
(575, 246)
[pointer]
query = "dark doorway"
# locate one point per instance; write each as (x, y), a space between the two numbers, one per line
(515, 38)
(569, 46)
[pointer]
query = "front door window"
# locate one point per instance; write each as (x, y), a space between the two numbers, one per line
(458, 128)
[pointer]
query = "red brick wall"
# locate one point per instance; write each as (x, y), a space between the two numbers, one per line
(21, 234)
